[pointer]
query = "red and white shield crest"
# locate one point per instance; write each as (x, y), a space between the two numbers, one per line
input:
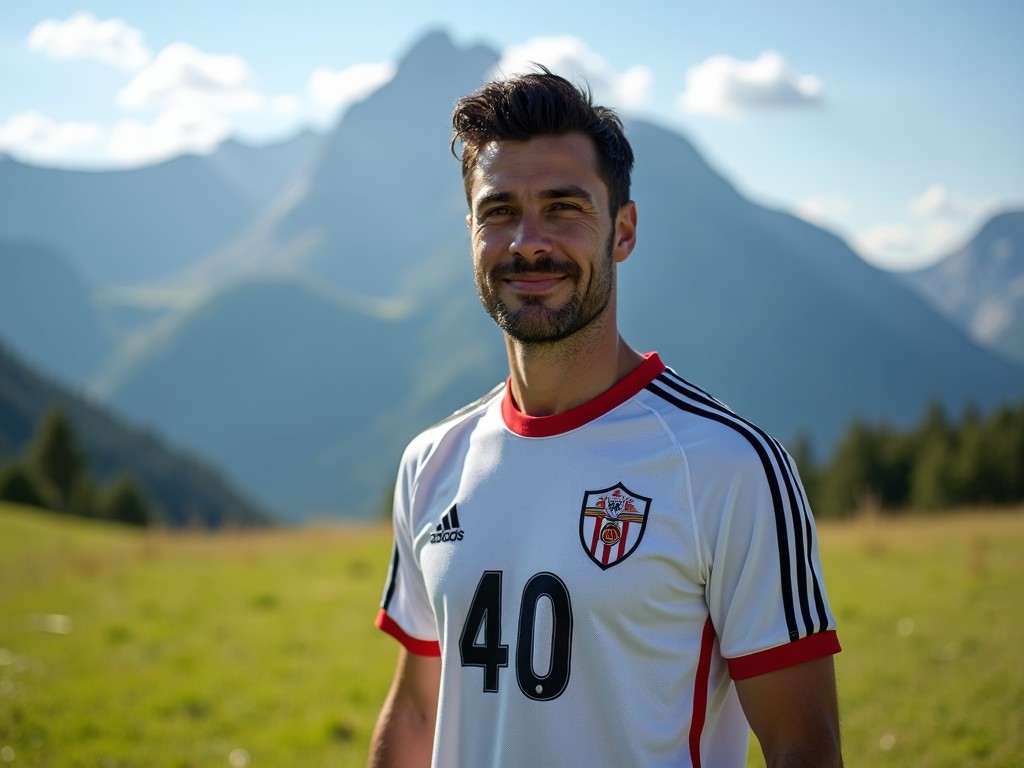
(612, 522)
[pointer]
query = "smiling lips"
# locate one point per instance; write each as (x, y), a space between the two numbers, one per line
(543, 275)
(533, 282)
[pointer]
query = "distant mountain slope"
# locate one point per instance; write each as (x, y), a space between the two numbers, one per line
(981, 287)
(306, 396)
(187, 492)
(780, 318)
(132, 226)
(49, 314)
(259, 173)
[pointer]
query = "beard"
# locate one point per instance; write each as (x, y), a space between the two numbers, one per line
(534, 323)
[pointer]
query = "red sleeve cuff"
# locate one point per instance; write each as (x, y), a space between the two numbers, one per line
(806, 649)
(412, 644)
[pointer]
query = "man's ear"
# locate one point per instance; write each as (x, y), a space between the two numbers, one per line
(469, 221)
(625, 231)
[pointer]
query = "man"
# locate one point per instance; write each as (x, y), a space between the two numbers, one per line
(597, 564)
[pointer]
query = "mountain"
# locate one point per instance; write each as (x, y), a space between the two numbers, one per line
(779, 318)
(186, 491)
(340, 317)
(305, 394)
(50, 314)
(134, 226)
(981, 287)
(386, 194)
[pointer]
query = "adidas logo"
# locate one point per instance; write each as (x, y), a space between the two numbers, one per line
(448, 529)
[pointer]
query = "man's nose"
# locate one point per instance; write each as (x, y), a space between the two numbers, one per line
(531, 238)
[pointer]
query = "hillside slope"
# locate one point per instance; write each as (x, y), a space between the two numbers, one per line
(185, 491)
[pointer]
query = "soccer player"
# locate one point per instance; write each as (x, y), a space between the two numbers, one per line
(596, 564)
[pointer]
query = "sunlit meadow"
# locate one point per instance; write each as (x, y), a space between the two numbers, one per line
(123, 648)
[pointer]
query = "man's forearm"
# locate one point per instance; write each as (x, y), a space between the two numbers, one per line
(402, 739)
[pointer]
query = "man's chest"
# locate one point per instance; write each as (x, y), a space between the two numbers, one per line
(526, 538)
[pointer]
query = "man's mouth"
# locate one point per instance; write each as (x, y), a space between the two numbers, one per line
(533, 283)
(536, 277)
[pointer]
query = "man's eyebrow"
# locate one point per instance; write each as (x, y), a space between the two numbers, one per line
(571, 191)
(492, 198)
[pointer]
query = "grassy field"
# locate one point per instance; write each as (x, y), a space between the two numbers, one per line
(120, 648)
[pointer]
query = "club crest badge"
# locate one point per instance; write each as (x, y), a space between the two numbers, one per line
(612, 522)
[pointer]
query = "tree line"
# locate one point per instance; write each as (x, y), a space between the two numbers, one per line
(53, 474)
(941, 463)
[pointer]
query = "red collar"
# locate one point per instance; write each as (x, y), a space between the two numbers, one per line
(616, 395)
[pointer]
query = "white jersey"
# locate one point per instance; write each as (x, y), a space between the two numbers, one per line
(593, 581)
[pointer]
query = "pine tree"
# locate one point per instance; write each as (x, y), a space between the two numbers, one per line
(123, 502)
(1004, 440)
(851, 480)
(55, 455)
(932, 481)
(19, 485)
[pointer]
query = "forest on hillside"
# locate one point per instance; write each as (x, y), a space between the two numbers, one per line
(61, 451)
(944, 462)
(55, 471)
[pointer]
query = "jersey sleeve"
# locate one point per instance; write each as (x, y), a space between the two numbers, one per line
(405, 610)
(765, 588)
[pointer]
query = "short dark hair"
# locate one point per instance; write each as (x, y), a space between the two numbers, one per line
(542, 104)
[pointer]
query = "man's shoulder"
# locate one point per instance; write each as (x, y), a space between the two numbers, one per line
(480, 404)
(705, 424)
(425, 441)
(684, 402)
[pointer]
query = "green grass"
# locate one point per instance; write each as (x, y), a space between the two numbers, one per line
(120, 648)
(931, 617)
(185, 650)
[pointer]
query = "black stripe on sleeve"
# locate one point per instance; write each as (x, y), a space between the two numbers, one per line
(775, 465)
(389, 590)
(819, 599)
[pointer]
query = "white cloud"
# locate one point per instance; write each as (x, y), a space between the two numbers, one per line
(914, 245)
(201, 98)
(824, 209)
(176, 131)
(285, 105)
(892, 238)
(35, 137)
(633, 87)
(909, 244)
(939, 202)
(941, 222)
(570, 57)
(890, 246)
(183, 77)
(723, 87)
(192, 100)
(337, 89)
(83, 36)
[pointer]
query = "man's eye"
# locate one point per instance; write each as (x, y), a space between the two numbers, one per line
(497, 212)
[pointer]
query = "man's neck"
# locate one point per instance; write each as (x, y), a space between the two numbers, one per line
(554, 378)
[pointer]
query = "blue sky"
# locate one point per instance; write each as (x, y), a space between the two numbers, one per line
(899, 125)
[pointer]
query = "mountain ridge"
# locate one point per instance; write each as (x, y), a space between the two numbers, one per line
(980, 287)
(307, 399)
